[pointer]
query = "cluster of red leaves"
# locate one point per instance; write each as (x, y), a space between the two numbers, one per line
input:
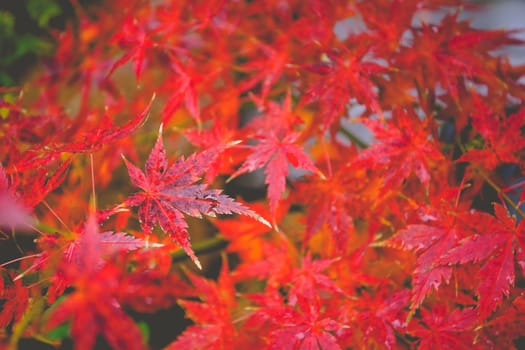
(413, 240)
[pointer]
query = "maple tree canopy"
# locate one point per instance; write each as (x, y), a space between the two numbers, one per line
(272, 174)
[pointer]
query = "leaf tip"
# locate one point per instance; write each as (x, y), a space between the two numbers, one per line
(197, 263)
(263, 221)
(233, 143)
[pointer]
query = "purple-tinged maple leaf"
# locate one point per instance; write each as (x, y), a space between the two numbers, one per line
(311, 329)
(106, 243)
(170, 192)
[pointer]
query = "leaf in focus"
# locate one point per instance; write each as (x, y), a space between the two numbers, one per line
(170, 192)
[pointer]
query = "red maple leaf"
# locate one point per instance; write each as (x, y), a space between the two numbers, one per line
(379, 315)
(137, 41)
(108, 243)
(170, 192)
(311, 328)
(276, 148)
(215, 328)
(330, 203)
(403, 148)
(14, 297)
(430, 243)
(106, 132)
(93, 305)
(503, 138)
(222, 133)
(499, 243)
(348, 74)
(308, 280)
(182, 84)
(509, 324)
(445, 329)
(451, 49)
(269, 65)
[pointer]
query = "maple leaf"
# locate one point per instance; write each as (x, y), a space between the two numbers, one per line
(308, 280)
(509, 324)
(14, 297)
(268, 67)
(138, 43)
(430, 243)
(387, 21)
(223, 134)
(214, 328)
(402, 148)
(347, 74)
(380, 315)
(183, 86)
(170, 192)
(504, 142)
(87, 249)
(500, 243)
(330, 203)
(309, 329)
(108, 243)
(93, 304)
(442, 53)
(276, 148)
(445, 329)
(106, 132)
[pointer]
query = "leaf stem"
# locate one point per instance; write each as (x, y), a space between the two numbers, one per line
(34, 308)
(501, 193)
(93, 192)
(492, 184)
(356, 140)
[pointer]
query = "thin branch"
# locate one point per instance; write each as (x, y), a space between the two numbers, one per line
(355, 139)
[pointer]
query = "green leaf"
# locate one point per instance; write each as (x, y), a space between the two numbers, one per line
(43, 11)
(59, 333)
